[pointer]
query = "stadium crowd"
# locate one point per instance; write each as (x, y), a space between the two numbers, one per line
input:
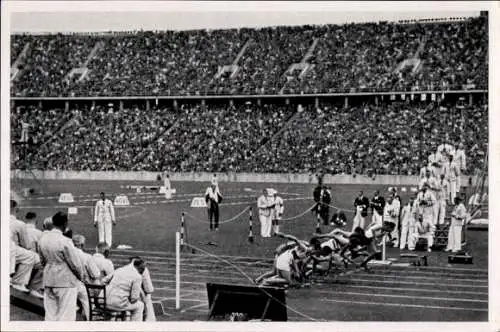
(350, 57)
(50, 263)
(391, 138)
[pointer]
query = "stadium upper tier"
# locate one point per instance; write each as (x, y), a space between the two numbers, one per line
(389, 138)
(281, 60)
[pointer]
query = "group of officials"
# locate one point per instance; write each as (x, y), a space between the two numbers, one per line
(51, 264)
(439, 187)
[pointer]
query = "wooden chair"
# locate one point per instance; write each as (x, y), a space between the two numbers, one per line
(97, 305)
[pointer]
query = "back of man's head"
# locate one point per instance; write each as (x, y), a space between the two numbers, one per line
(60, 220)
(30, 217)
(13, 204)
(103, 248)
(139, 264)
(47, 224)
(79, 241)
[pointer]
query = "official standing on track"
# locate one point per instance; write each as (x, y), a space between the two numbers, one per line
(457, 221)
(377, 205)
(213, 197)
(279, 208)
(361, 204)
(407, 224)
(104, 218)
(265, 206)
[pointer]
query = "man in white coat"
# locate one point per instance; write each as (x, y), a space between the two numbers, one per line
(433, 186)
(62, 273)
(407, 223)
(425, 203)
(104, 218)
(460, 159)
(452, 171)
(442, 197)
(278, 212)
(457, 221)
(265, 205)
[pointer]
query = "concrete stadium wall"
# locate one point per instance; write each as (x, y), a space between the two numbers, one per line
(222, 177)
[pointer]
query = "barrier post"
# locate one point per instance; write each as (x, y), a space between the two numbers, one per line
(250, 225)
(182, 234)
(177, 270)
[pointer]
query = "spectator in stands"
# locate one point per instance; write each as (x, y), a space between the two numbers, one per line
(124, 289)
(101, 258)
(62, 273)
(91, 274)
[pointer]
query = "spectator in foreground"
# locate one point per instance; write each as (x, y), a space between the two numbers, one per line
(124, 289)
(101, 259)
(146, 291)
(32, 233)
(91, 273)
(62, 273)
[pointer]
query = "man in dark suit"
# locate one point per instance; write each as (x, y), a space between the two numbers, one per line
(361, 203)
(377, 205)
(213, 197)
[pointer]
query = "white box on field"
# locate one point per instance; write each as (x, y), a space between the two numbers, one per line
(66, 198)
(121, 200)
(72, 210)
(198, 202)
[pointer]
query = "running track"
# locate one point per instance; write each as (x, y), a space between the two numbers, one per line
(385, 294)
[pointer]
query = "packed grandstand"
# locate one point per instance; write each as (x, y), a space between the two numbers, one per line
(366, 98)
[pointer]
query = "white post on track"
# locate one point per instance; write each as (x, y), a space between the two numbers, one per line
(384, 239)
(177, 270)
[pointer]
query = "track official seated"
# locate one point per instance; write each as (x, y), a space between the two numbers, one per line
(124, 289)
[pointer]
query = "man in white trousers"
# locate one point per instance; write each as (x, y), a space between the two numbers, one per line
(62, 273)
(457, 221)
(265, 205)
(407, 223)
(425, 210)
(441, 197)
(104, 218)
(433, 187)
(460, 159)
(452, 172)
(279, 209)
(390, 215)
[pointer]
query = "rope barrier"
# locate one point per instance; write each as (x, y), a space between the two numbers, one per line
(220, 222)
(299, 215)
(250, 279)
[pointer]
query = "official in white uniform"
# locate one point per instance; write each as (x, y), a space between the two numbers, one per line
(391, 212)
(124, 290)
(266, 205)
(423, 229)
(452, 171)
(91, 275)
(457, 221)
(62, 273)
(460, 159)
(425, 203)
(277, 214)
(407, 223)
(433, 187)
(442, 195)
(104, 219)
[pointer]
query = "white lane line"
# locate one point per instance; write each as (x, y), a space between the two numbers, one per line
(250, 265)
(403, 305)
(451, 299)
(164, 254)
(203, 304)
